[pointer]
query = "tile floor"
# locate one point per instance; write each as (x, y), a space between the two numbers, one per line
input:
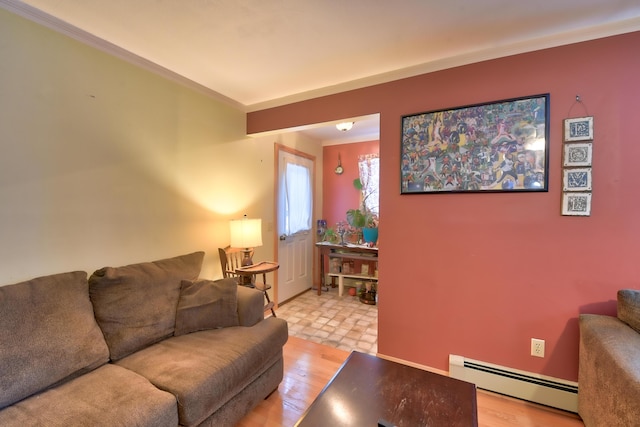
(342, 322)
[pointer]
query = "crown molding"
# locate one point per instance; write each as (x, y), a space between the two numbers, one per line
(36, 15)
(515, 48)
(568, 37)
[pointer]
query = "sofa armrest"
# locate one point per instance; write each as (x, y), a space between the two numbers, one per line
(609, 372)
(250, 306)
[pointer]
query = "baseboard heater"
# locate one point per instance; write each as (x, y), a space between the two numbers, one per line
(541, 389)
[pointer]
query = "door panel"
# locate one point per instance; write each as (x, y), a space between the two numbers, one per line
(294, 250)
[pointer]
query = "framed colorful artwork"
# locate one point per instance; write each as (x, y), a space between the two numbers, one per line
(500, 146)
(578, 154)
(578, 179)
(578, 129)
(576, 204)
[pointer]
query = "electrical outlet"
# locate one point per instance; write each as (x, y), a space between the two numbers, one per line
(537, 347)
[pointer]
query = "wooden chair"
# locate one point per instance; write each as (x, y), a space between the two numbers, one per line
(230, 260)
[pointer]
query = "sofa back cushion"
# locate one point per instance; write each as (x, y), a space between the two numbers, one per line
(206, 304)
(49, 334)
(629, 307)
(135, 305)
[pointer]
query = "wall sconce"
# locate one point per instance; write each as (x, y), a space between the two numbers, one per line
(345, 126)
(246, 234)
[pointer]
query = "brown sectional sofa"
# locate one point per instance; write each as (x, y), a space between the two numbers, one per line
(609, 369)
(147, 344)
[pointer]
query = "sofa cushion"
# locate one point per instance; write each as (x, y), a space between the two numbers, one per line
(629, 307)
(109, 396)
(48, 334)
(135, 305)
(206, 369)
(206, 304)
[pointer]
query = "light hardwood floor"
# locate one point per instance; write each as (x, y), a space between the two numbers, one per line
(309, 366)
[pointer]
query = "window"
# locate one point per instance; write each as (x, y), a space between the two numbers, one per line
(295, 202)
(369, 171)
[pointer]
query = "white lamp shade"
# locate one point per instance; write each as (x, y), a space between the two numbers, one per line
(246, 233)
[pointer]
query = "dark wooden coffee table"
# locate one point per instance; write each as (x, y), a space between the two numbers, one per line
(367, 389)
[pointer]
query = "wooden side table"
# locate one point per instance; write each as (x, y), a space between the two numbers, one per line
(263, 268)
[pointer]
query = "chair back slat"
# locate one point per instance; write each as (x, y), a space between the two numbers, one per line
(230, 260)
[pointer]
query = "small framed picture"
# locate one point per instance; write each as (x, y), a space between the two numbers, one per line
(579, 154)
(578, 129)
(576, 204)
(364, 269)
(576, 179)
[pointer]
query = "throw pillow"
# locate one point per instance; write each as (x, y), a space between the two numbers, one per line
(135, 305)
(48, 334)
(206, 304)
(629, 307)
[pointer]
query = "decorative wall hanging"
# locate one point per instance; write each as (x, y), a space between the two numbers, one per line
(578, 154)
(576, 204)
(578, 129)
(500, 146)
(339, 169)
(578, 179)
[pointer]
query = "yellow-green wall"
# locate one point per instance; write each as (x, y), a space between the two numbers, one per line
(105, 163)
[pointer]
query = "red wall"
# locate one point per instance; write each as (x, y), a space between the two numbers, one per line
(338, 192)
(479, 275)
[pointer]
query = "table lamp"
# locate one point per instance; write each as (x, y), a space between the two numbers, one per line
(246, 234)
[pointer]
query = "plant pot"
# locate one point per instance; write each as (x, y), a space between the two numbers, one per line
(368, 297)
(370, 235)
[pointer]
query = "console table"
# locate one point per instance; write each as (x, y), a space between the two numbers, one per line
(346, 252)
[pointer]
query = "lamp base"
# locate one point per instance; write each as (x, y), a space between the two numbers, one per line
(246, 259)
(246, 262)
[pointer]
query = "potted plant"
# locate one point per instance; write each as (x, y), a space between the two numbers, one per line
(362, 218)
(367, 293)
(330, 235)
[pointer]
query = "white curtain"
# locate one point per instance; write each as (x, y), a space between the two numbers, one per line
(369, 170)
(295, 199)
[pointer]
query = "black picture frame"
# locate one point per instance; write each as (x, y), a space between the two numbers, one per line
(500, 146)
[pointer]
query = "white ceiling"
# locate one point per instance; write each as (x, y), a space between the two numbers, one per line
(257, 54)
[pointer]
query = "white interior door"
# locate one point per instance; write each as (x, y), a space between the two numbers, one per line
(295, 219)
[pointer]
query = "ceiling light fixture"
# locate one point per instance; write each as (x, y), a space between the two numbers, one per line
(345, 126)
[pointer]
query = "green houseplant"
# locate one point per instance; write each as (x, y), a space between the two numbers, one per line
(330, 235)
(362, 218)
